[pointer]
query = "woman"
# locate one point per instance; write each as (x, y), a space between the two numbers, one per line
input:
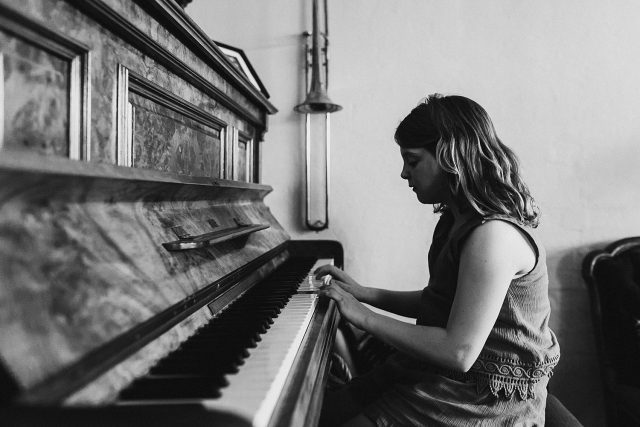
(481, 351)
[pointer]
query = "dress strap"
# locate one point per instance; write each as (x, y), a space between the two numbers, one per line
(528, 232)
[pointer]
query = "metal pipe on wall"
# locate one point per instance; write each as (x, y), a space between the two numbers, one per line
(317, 102)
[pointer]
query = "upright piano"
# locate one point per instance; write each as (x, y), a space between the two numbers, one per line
(143, 279)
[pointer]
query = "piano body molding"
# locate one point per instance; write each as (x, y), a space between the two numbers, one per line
(132, 225)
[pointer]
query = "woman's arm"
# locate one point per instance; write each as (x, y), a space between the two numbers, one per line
(404, 303)
(493, 254)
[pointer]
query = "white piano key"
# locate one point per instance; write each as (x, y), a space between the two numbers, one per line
(253, 392)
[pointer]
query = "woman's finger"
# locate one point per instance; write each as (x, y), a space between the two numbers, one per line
(332, 293)
(325, 269)
(340, 285)
(338, 293)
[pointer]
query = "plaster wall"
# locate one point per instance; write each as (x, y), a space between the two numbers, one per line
(559, 80)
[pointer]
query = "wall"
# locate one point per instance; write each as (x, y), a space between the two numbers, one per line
(559, 79)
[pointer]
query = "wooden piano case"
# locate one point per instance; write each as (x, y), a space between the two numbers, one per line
(130, 208)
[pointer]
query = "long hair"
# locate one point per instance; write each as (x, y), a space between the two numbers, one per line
(481, 171)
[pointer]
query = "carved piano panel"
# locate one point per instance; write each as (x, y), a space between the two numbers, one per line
(104, 81)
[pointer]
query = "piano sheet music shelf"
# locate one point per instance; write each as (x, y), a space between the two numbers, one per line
(144, 115)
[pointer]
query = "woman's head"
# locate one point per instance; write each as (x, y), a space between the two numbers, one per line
(479, 170)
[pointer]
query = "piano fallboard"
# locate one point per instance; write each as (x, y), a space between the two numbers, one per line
(83, 265)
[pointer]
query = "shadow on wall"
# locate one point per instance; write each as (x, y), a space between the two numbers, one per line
(298, 209)
(577, 378)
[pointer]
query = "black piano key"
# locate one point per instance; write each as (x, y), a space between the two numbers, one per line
(173, 387)
(215, 338)
(197, 367)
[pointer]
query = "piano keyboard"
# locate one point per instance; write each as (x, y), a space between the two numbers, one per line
(239, 362)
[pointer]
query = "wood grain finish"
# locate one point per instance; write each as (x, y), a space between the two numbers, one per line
(164, 141)
(171, 134)
(82, 260)
(122, 32)
(36, 105)
(45, 88)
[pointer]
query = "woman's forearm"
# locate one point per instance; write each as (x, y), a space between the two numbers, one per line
(431, 344)
(452, 349)
(404, 303)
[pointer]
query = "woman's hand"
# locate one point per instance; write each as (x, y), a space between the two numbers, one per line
(361, 293)
(352, 310)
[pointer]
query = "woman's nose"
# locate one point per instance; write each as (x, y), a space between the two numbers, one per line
(403, 174)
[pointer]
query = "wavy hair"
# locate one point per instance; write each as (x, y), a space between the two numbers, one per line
(481, 170)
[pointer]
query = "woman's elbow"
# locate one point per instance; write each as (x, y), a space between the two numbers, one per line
(462, 359)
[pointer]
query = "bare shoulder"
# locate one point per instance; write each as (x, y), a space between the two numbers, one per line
(502, 240)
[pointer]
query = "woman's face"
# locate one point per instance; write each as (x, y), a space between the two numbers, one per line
(424, 175)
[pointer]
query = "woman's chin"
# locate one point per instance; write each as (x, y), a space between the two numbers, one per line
(423, 200)
(426, 200)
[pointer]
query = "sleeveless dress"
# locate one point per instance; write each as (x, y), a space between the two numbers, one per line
(506, 386)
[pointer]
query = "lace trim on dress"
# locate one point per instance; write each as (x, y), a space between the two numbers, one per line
(507, 377)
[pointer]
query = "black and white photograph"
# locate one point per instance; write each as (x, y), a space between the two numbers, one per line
(319, 213)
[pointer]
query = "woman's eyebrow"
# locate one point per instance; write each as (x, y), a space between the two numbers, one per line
(410, 156)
